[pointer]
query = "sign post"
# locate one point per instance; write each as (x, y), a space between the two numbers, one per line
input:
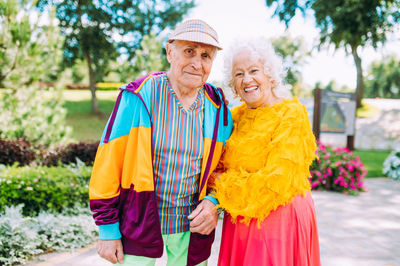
(335, 112)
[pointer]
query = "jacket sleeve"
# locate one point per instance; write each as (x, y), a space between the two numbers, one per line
(105, 182)
(226, 126)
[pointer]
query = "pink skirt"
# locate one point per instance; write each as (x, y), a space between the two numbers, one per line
(288, 236)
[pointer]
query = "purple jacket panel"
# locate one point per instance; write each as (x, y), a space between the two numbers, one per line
(199, 248)
(140, 223)
(105, 211)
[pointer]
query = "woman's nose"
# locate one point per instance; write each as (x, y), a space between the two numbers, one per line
(247, 78)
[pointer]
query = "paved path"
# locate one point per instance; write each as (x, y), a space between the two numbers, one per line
(353, 231)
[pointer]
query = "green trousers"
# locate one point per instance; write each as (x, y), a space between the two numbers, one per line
(177, 250)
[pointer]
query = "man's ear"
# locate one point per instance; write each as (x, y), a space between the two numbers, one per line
(169, 48)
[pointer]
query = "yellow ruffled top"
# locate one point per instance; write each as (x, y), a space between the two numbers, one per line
(266, 160)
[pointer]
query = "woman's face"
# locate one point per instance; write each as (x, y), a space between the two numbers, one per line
(250, 81)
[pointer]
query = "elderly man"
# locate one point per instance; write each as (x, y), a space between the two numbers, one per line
(163, 140)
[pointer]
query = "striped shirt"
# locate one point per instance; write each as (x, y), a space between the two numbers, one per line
(177, 139)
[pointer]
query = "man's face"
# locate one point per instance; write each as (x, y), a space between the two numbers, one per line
(191, 64)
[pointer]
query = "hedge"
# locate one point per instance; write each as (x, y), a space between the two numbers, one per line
(44, 188)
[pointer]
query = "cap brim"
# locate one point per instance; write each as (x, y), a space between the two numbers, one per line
(200, 38)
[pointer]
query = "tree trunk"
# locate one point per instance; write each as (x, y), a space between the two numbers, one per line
(360, 80)
(92, 85)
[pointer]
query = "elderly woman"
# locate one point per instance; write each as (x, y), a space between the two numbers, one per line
(264, 187)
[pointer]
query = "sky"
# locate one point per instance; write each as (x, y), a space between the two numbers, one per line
(252, 18)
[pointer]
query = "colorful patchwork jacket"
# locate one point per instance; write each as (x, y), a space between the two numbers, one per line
(122, 187)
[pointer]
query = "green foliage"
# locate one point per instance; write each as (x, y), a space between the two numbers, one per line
(28, 52)
(333, 86)
(34, 115)
(149, 58)
(44, 188)
(140, 18)
(391, 165)
(350, 24)
(383, 79)
(294, 54)
(94, 30)
(22, 237)
(337, 169)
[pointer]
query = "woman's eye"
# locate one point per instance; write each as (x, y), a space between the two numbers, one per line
(205, 55)
(239, 74)
(189, 51)
(254, 70)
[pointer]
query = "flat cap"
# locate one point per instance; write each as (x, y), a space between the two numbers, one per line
(196, 30)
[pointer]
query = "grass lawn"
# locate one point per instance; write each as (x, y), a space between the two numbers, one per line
(373, 161)
(87, 126)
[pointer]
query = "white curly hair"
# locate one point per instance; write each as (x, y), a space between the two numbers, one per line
(261, 49)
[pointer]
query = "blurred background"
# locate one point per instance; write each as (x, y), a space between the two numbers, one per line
(62, 62)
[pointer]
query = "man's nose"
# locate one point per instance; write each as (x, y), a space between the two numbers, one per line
(196, 62)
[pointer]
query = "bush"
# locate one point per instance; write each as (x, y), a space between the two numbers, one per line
(337, 169)
(84, 151)
(391, 165)
(35, 115)
(44, 188)
(19, 151)
(22, 237)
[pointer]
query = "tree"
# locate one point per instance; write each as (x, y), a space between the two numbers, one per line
(383, 78)
(29, 53)
(294, 54)
(151, 57)
(350, 24)
(94, 30)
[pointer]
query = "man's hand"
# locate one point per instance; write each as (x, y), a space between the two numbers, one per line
(111, 250)
(204, 218)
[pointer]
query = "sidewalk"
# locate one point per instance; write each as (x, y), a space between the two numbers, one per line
(353, 231)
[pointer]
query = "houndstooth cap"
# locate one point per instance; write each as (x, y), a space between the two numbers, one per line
(195, 30)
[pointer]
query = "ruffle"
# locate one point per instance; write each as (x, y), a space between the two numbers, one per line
(267, 160)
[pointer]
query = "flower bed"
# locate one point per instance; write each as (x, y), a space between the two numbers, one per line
(337, 169)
